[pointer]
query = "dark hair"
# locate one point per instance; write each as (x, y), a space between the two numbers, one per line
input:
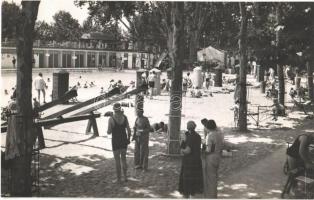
(204, 121)
(40, 74)
(188, 73)
(162, 124)
(211, 124)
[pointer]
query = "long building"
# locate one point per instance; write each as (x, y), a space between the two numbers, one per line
(88, 53)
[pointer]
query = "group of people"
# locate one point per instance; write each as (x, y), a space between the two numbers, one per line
(200, 162)
(119, 128)
(149, 83)
(195, 91)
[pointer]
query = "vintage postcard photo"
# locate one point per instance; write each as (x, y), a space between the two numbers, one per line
(157, 99)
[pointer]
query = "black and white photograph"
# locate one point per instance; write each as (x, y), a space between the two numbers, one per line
(157, 99)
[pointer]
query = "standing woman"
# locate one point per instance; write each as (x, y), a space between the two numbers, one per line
(118, 126)
(191, 176)
(212, 155)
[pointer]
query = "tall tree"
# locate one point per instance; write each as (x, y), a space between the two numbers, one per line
(105, 12)
(198, 14)
(175, 45)
(43, 31)
(9, 20)
(298, 34)
(90, 25)
(21, 166)
(243, 66)
(280, 73)
(65, 27)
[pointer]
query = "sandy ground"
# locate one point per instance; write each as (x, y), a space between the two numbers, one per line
(78, 165)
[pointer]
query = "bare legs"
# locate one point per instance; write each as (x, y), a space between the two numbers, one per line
(120, 159)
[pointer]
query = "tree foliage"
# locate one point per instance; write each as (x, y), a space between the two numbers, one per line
(65, 27)
(44, 31)
(9, 14)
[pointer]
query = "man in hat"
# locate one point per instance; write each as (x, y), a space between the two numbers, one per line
(141, 137)
(118, 126)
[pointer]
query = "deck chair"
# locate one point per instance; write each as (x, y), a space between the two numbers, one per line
(304, 106)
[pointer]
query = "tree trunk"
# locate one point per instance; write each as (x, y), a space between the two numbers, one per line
(281, 80)
(310, 80)
(176, 52)
(280, 73)
(194, 44)
(21, 167)
(243, 65)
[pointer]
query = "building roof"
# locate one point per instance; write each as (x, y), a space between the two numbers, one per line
(98, 36)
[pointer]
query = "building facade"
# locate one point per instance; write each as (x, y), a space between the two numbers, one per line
(94, 50)
(81, 58)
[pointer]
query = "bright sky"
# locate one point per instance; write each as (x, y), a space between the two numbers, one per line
(47, 8)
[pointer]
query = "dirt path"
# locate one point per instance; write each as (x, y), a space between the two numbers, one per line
(264, 179)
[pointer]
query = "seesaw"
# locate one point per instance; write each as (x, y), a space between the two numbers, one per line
(111, 95)
(83, 104)
(86, 114)
(61, 120)
(110, 101)
(67, 96)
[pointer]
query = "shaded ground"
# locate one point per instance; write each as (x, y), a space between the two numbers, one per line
(78, 165)
(264, 178)
(84, 167)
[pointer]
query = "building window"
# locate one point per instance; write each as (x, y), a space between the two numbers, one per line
(91, 59)
(66, 59)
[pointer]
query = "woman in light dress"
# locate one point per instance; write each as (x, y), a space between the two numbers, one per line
(212, 151)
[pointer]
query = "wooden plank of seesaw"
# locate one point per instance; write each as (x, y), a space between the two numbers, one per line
(110, 101)
(67, 96)
(61, 120)
(78, 106)
(56, 121)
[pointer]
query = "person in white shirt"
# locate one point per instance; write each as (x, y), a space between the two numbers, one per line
(151, 82)
(40, 85)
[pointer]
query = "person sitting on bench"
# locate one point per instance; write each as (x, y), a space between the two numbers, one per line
(298, 153)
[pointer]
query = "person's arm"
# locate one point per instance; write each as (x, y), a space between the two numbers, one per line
(109, 131)
(128, 128)
(134, 130)
(209, 143)
(186, 150)
(303, 151)
(147, 127)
